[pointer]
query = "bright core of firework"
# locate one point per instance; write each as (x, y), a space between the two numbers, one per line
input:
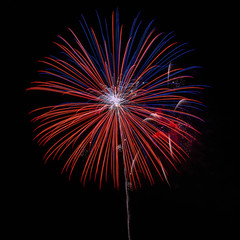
(115, 100)
(112, 99)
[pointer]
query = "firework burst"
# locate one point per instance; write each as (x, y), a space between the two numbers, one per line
(125, 98)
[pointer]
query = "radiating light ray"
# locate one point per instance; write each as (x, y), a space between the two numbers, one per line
(123, 97)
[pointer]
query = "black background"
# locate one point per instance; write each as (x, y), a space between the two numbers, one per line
(203, 198)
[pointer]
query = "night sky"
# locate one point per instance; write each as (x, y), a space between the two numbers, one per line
(204, 196)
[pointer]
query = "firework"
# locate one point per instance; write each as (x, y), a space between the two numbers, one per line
(126, 101)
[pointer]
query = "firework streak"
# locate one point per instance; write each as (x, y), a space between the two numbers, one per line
(123, 96)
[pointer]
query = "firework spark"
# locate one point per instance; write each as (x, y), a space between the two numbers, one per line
(123, 98)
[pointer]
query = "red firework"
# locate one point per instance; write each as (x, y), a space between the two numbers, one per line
(125, 98)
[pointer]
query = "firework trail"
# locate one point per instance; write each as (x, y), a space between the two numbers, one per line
(121, 96)
(127, 205)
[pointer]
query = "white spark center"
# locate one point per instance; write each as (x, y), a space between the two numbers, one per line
(112, 99)
(115, 101)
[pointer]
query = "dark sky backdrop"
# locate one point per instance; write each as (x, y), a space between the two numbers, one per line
(203, 199)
